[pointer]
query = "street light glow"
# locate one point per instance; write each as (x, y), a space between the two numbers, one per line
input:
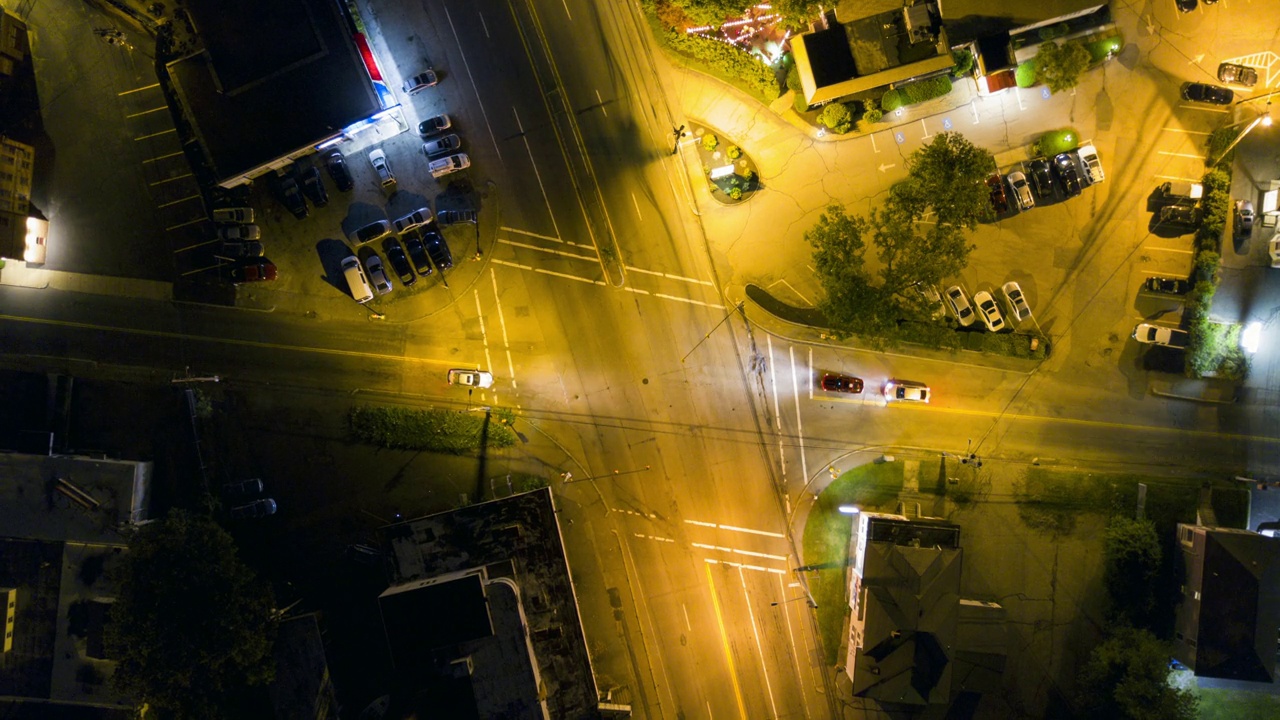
(1251, 337)
(849, 509)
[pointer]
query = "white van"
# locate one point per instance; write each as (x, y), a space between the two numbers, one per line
(356, 280)
(449, 164)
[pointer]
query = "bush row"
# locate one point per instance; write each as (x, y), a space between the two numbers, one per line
(916, 92)
(449, 431)
(727, 59)
(1214, 348)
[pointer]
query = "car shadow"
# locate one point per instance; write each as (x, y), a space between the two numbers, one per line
(360, 214)
(331, 253)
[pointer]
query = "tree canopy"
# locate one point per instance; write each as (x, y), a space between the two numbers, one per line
(1060, 66)
(947, 176)
(1126, 678)
(191, 625)
(1132, 556)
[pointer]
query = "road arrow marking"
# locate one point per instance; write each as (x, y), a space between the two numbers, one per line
(884, 167)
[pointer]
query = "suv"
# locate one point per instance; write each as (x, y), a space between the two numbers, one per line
(417, 253)
(905, 391)
(313, 187)
(449, 164)
(453, 217)
(434, 124)
(1244, 218)
(256, 509)
(999, 201)
(1160, 335)
(1167, 285)
(1180, 215)
(959, 303)
(399, 263)
(1088, 155)
(1237, 74)
(1066, 171)
(1041, 178)
(445, 144)
(237, 249)
(292, 198)
(1021, 191)
(243, 489)
(338, 171)
(378, 159)
(373, 231)
(417, 218)
(438, 249)
(1181, 193)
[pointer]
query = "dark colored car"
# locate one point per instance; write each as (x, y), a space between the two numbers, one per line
(417, 253)
(438, 249)
(256, 509)
(238, 249)
(841, 383)
(433, 125)
(337, 166)
(255, 271)
(1041, 178)
(1066, 171)
(243, 489)
(1167, 285)
(1180, 215)
(292, 197)
(1186, 5)
(453, 217)
(999, 200)
(1238, 74)
(1244, 216)
(313, 186)
(1206, 93)
(395, 255)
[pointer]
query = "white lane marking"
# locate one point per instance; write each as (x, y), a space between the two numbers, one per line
(777, 413)
(751, 615)
(797, 292)
(973, 105)
(713, 306)
(488, 359)
(602, 108)
(484, 25)
(566, 276)
(735, 551)
(1188, 132)
(472, 78)
(795, 386)
(148, 112)
(1169, 249)
(757, 568)
(575, 256)
(687, 626)
(637, 204)
(162, 132)
(1018, 95)
(1185, 155)
(566, 8)
(812, 374)
(161, 157)
(925, 128)
(534, 234)
(734, 528)
(502, 322)
(795, 654)
(1203, 109)
(655, 538)
(536, 174)
(669, 276)
(138, 89)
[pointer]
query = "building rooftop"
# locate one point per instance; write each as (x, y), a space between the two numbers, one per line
(71, 497)
(302, 687)
(968, 20)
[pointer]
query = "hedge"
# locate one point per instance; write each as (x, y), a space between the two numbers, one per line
(450, 431)
(1025, 75)
(916, 92)
(727, 59)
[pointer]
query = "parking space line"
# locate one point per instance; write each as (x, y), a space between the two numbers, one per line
(1175, 177)
(925, 128)
(1204, 109)
(189, 222)
(1188, 132)
(669, 276)
(1185, 155)
(484, 336)
(169, 180)
(200, 270)
(148, 112)
(1171, 250)
(566, 276)
(602, 107)
(534, 234)
(181, 200)
(575, 256)
(193, 247)
(162, 132)
(502, 322)
(1018, 96)
(162, 157)
(146, 87)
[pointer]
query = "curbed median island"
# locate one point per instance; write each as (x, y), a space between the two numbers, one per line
(457, 432)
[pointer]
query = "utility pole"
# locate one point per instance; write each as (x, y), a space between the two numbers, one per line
(678, 132)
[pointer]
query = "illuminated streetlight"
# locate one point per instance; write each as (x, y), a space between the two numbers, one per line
(849, 509)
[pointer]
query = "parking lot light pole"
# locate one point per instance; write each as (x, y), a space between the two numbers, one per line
(1263, 119)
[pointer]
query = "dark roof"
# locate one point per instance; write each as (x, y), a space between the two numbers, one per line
(275, 77)
(1239, 607)
(302, 688)
(829, 55)
(35, 569)
(967, 20)
(456, 612)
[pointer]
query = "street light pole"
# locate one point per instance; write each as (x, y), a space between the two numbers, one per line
(678, 132)
(1263, 119)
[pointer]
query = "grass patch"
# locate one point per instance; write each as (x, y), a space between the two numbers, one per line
(826, 541)
(1100, 50)
(1057, 141)
(1223, 704)
(448, 431)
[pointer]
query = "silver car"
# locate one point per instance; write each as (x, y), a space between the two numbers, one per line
(1018, 306)
(959, 303)
(377, 275)
(1021, 191)
(989, 311)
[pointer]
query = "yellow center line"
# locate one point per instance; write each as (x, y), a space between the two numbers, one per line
(724, 638)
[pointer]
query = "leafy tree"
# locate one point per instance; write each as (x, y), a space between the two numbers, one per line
(1060, 66)
(191, 625)
(710, 12)
(947, 176)
(839, 249)
(1126, 678)
(1131, 552)
(795, 13)
(1025, 74)
(837, 117)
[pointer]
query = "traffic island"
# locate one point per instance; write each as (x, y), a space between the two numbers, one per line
(732, 175)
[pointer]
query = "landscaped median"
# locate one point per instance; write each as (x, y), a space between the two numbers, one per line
(456, 432)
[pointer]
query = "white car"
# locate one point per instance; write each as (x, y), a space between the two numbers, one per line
(959, 303)
(905, 391)
(378, 160)
(1021, 191)
(449, 164)
(1160, 335)
(445, 144)
(1092, 165)
(377, 275)
(471, 378)
(989, 311)
(1018, 306)
(421, 81)
(417, 218)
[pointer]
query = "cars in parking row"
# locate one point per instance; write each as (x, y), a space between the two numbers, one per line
(414, 248)
(1045, 179)
(985, 307)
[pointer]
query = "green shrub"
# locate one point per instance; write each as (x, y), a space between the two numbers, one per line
(1025, 75)
(1053, 31)
(799, 104)
(963, 60)
(748, 176)
(1100, 50)
(1219, 141)
(735, 192)
(1217, 179)
(916, 92)
(891, 100)
(734, 152)
(873, 115)
(709, 142)
(837, 117)
(793, 79)
(1206, 266)
(448, 431)
(727, 59)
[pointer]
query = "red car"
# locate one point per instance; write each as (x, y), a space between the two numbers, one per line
(999, 201)
(841, 383)
(256, 271)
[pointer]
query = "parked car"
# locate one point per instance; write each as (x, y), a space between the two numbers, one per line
(239, 232)
(453, 217)
(1167, 285)
(1180, 193)
(377, 276)
(1180, 215)
(1041, 178)
(1206, 93)
(1066, 171)
(999, 201)
(313, 187)
(471, 378)
(421, 81)
(337, 166)
(1021, 191)
(292, 198)
(417, 218)
(905, 391)
(434, 124)
(233, 215)
(1018, 306)
(399, 262)
(1274, 249)
(1088, 155)
(989, 311)
(1161, 335)
(375, 230)
(1244, 218)
(254, 271)
(449, 164)
(932, 300)
(1237, 74)
(833, 382)
(438, 249)
(417, 253)
(448, 143)
(1186, 6)
(243, 489)
(256, 509)
(238, 249)
(959, 303)
(378, 159)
